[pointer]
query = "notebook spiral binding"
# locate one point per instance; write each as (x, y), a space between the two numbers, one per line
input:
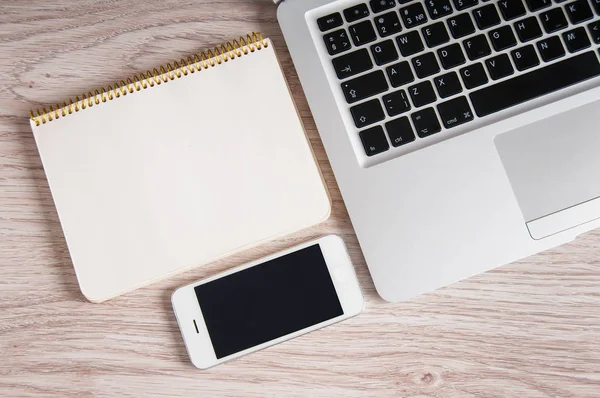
(156, 76)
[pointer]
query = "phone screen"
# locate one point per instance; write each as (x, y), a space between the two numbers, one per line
(268, 301)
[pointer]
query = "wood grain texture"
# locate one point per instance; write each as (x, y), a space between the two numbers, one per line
(529, 329)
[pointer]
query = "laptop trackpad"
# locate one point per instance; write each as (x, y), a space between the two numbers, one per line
(554, 168)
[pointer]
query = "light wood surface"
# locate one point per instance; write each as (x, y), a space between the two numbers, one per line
(529, 329)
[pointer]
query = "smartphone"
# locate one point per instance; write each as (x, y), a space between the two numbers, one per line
(265, 302)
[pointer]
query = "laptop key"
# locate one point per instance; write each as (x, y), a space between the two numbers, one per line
(528, 29)
(486, 16)
(473, 75)
(464, 4)
(451, 56)
(400, 131)
(525, 57)
(384, 52)
(337, 41)
(426, 122)
(596, 4)
(502, 38)
(374, 140)
(551, 48)
(357, 12)
(400, 74)
(352, 63)
(477, 47)
(367, 113)
(455, 112)
(388, 24)
(364, 86)
(422, 93)
(511, 9)
(435, 34)
(382, 5)
(460, 25)
(594, 29)
(425, 65)
(578, 11)
(362, 33)
(535, 5)
(576, 39)
(499, 66)
(413, 15)
(330, 21)
(410, 43)
(447, 85)
(396, 103)
(534, 84)
(553, 20)
(439, 8)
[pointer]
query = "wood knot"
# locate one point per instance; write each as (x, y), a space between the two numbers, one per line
(427, 378)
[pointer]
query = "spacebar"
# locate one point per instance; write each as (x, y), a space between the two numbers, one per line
(535, 84)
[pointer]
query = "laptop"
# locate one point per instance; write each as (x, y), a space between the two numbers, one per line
(463, 134)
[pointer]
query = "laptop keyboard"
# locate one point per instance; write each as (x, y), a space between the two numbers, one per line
(412, 69)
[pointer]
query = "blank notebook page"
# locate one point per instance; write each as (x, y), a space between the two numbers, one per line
(179, 174)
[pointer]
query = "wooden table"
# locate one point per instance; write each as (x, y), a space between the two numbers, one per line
(530, 329)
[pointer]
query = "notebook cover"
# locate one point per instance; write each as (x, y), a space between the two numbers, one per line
(173, 176)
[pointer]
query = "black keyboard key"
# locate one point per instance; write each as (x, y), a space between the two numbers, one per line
(384, 52)
(439, 8)
(407, 1)
(535, 5)
(435, 34)
(525, 57)
(579, 11)
(499, 66)
(330, 21)
(596, 4)
(337, 42)
(422, 93)
(473, 75)
(464, 4)
(388, 24)
(486, 16)
(367, 113)
(426, 122)
(396, 103)
(357, 12)
(425, 65)
(511, 9)
(594, 29)
(576, 39)
(400, 74)
(535, 84)
(502, 38)
(455, 112)
(447, 85)
(553, 20)
(460, 25)
(477, 47)
(400, 131)
(528, 29)
(413, 15)
(364, 86)
(374, 140)
(352, 63)
(551, 48)
(362, 33)
(451, 56)
(382, 5)
(410, 43)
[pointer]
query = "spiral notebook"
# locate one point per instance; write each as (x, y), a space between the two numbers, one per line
(179, 166)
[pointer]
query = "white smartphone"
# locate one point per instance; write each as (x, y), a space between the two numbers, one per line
(265, 302)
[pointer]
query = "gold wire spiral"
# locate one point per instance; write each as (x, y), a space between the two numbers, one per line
(156, 76)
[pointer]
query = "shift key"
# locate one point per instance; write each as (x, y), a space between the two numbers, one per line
(364, 86)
